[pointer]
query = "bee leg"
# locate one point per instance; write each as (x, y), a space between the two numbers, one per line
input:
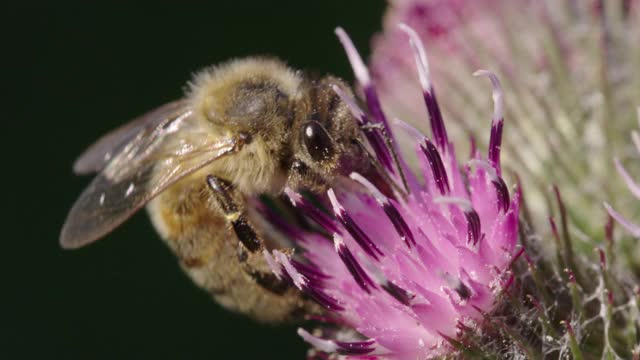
(250, 253)
(241, 227)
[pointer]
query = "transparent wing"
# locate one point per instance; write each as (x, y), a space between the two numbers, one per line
(98, 155)
(153, 159)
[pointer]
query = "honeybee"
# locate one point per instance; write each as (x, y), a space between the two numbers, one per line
(247, 127)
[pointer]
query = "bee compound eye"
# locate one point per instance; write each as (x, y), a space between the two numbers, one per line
(317, 141)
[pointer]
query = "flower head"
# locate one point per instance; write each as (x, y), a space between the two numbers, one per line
(406, 262)
(570, 69)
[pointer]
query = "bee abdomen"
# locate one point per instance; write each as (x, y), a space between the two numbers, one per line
(209, 250)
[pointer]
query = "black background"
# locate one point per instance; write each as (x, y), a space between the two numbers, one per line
(72, 72)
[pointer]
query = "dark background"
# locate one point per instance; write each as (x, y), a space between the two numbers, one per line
(72, 72)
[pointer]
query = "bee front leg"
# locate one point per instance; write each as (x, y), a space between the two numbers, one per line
(241, 227)
(251, 248)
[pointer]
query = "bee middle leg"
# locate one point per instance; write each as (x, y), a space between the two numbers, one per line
(250, 252)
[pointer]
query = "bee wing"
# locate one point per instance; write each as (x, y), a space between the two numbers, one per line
(152, 160)
(97, 156)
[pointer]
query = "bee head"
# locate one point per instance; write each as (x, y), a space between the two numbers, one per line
(325, 136)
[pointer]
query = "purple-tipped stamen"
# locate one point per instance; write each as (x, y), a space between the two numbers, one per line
(301, 282)
(333, 346)
(312, 212)
(327, 346)
(374, 137)
(438, 129)
(466, 288)
(495, 141)
(437, 167)
(398, 222)
(405, 297)
(355, 347)
(362, 74)
(459, 294)
(473, 219)
(311, 272)
(502, 192)
(321, 298)
(352, 264)
(353, 229)
(474, 231)
(373, 103)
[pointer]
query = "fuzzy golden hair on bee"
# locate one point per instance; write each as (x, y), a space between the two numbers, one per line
(212, 90)
(256, 96)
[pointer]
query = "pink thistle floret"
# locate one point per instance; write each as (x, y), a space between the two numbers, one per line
(407, 270)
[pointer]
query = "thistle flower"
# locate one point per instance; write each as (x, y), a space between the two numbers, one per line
(571, 71)
(404, 272)
(431, 267)
(568, 70)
